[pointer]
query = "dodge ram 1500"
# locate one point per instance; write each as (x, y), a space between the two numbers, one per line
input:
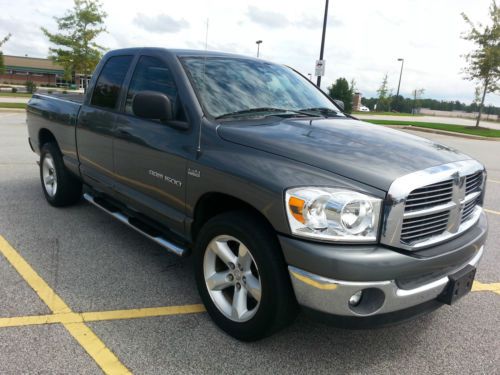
(282, 199)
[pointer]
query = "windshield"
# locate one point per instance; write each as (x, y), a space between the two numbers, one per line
(242, 87)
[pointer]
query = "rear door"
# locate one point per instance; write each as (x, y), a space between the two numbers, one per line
(96, 122)
(150, 157)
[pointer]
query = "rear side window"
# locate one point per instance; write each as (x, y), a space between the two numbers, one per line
(151, 74)
(108, 86)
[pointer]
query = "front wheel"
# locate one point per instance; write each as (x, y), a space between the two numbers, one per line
(242, 277)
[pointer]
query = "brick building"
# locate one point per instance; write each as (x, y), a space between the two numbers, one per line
(20, 69)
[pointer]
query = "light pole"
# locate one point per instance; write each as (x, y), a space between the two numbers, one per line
(400, 74)
(318, 83)
(258, 46)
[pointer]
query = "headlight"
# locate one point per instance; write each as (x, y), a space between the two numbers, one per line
(333, 214)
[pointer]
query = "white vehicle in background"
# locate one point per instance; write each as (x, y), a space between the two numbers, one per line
(364, 108)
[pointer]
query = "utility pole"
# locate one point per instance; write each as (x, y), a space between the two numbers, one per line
(258, 46)
(323, 39)
(400, 74)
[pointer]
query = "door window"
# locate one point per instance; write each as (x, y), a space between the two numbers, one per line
(108, 86)
(151, 74)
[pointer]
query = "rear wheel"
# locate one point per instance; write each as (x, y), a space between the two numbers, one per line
(60, 187)
(242, 277)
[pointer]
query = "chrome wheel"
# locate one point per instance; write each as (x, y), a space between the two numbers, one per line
(49, 175)
(232, 278)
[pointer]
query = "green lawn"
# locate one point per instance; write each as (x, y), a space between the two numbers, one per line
(17, 94)
(483, 132)
(384, 114)
(13, 105)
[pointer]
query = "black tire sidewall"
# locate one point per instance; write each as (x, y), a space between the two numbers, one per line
(275, 282)
(68, 187)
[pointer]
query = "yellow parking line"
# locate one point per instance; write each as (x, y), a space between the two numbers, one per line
(97, 350)
(480, 287)
(142, 313)
(492, 212)
(96, 316)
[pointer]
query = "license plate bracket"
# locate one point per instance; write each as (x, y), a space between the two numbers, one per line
(459, 285)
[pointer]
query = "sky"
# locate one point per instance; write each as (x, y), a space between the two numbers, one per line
(364, 39)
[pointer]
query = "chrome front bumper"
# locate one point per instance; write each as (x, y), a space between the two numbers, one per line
(332, 296)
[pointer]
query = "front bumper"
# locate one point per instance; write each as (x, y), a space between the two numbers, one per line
(325, 277)
(380, 297)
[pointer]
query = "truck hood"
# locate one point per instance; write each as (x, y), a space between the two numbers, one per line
(371, 154)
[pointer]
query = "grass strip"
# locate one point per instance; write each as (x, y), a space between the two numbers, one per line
(472, 130)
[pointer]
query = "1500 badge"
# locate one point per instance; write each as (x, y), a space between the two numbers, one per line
(165, 178)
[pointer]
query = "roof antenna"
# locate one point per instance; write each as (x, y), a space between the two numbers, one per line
(204, 64)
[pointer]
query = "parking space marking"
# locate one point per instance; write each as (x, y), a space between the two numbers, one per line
(142, 313)
(102, 355)
(494, 181)
(97, 316)
(491, 287)
(492, 212)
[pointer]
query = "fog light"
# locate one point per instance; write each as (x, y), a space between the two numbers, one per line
(356, 298)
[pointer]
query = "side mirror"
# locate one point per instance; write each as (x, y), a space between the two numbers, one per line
(339, 103)
(152, 105)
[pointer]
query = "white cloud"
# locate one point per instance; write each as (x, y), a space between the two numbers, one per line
(363, 40)
(160, 23)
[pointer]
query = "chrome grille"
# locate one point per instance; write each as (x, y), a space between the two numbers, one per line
(433, 205)
(430, 195)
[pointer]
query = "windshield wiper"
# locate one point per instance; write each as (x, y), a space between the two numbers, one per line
(274, 111)
(327, 112)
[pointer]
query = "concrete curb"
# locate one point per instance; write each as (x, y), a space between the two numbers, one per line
(443, 132)
(12, 110)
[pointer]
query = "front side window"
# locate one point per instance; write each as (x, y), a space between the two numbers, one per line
(231, 85)
(107, 89)
(151, 74)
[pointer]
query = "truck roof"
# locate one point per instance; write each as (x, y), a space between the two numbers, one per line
(178, 52)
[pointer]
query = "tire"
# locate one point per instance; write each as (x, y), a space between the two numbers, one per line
(255, 315)
(59, 186)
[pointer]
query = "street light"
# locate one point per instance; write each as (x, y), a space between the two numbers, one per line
(318, 83)
(258, 46)
(400, 74)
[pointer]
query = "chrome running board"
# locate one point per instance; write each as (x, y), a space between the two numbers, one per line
(160, 240)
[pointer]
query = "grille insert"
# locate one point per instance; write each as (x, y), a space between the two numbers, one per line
(422, 227)
(468, 210)
(429, 196)
(473, 182)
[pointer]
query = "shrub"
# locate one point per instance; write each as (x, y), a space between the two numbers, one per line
(14, 90)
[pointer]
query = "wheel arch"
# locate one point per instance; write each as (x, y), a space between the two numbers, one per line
(212, 204)
(46, 136)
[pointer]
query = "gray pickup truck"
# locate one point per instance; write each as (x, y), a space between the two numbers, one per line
(282, 199)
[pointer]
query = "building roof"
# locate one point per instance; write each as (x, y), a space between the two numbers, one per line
(32, 64)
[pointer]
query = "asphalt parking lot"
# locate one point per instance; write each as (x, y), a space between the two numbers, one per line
(78, 289)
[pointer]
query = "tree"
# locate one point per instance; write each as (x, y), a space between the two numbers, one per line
(484, 61)
(76, 48)
(384, 96)
(2, 42)
(341, 90)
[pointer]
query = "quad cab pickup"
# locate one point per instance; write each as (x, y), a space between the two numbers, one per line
(282, 199)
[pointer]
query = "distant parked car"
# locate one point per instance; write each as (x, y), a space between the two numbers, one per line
(364, 108)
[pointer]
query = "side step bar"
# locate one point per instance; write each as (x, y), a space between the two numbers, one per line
(160, 240)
